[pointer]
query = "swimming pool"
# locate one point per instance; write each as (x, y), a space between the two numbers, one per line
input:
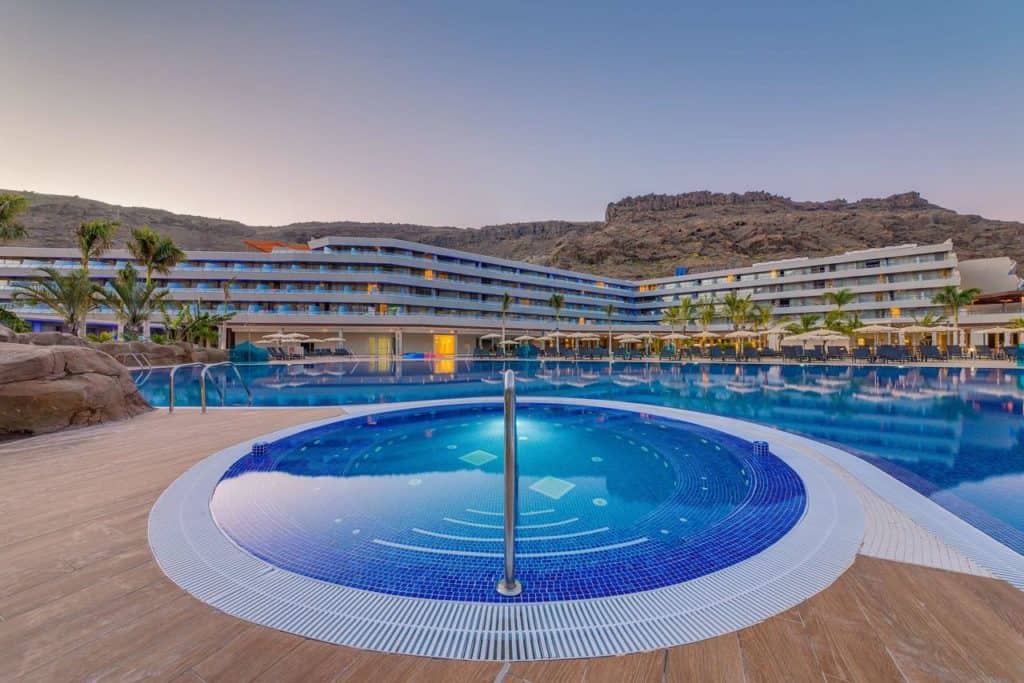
(410, 503)
(617, 551)
(953, 434)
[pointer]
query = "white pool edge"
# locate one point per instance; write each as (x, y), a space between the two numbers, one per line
(195, 554)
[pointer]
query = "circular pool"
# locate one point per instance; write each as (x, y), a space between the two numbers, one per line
(410, 502)
(640, 527)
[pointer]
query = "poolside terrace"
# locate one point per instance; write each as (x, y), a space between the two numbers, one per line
(81, 597)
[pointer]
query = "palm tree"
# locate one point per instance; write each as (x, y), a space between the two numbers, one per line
(839, 298)
(10, 206)
(609, 311)
(506, 301)
(556, 302)
(707, 311)
(687, 311)
(195, 327)
(94, 238)
(157, 253)
(70, 296)
(737, 309)
(132, 300)
(760, 317)
(807, 322)
(952, 299)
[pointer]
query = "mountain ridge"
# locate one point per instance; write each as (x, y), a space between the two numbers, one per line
(641, 236)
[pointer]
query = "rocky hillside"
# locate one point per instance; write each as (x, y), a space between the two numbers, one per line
(640, 236)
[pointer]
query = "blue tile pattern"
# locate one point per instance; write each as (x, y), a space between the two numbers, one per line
(653, 502)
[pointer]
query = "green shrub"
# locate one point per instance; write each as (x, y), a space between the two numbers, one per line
(13, 321)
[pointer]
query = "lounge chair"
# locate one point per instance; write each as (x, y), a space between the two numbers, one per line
(836, 353)
(930, 352)
(792, 352)
(862, 353)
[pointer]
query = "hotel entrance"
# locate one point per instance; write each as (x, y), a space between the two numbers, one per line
(444, 353)
(444, 344)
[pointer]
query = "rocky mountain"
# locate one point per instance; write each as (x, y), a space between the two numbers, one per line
(644, 236)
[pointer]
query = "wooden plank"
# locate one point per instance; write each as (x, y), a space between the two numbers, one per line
(255, 650)
(716, 659)
(778, 650)
(80, 596)
(639, 668)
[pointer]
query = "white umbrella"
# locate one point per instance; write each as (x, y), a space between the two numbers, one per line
(628, 339)
(876, 329)
(647, 335)
(295, 336)
(674, 335)
(525, 338)
(337, 338)
(276, 336)
(492, 335)
(741, 334)
(556, 334)
(996, 330)
(508, 342)
(590, 337)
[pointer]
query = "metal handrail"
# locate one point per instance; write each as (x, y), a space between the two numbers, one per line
(202, 383)
(508, 585)
(170, 397)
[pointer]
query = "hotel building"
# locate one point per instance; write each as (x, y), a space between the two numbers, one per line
(394, 296)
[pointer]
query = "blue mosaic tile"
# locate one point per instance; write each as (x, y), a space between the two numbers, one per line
(611, 502)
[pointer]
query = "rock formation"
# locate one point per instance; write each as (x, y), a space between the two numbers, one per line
(646, 236)
(48, 388)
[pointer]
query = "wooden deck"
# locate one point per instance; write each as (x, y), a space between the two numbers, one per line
(82, 599)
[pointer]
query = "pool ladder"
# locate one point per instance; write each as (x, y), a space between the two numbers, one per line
(202, 383)
(508, 585)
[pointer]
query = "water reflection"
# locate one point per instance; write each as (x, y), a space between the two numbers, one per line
(935, 428)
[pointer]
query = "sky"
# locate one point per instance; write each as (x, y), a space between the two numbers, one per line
(474, 113)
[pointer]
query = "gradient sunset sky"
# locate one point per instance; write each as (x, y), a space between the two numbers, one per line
(485, 112)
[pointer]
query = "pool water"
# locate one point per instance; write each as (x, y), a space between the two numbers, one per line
(954, 434)
(410, 502)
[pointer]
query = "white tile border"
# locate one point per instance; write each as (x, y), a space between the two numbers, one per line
(194, 553)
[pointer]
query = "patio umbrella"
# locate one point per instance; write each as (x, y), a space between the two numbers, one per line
(674, 335)
(628, 339)
(508, 342)
(275, 336)
(741, 334)
(295, 336)
(337, 338)
(876, 329)
(525, 338)
(492, 335)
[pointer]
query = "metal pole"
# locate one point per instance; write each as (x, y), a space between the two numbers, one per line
(508, 585)
(170, 398)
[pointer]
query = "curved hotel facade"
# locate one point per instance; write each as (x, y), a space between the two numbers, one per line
(394, 296)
